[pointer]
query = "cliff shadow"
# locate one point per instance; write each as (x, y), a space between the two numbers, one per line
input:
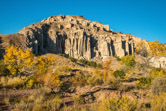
(113, 48)
(130, 49)
(2, 51)
(124, 47)
(93, 46)
(47, 44)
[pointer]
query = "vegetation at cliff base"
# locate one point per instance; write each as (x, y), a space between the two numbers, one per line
(53, 82)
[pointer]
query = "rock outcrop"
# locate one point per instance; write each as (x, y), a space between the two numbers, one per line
(77, 37)
(158, 62)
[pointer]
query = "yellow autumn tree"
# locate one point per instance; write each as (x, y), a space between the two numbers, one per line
(45, 73)
(52, 80)
(16, 59)
(107, 71)
(141, 49)
(156, 48)
(43, 63)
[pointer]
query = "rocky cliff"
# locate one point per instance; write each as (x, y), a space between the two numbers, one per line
(77, 37)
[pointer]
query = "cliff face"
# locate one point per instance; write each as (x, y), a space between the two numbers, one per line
(77, 37)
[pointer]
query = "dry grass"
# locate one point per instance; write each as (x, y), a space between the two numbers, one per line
(6, 100)
(11, 81)
(39, 101)
(65, 62)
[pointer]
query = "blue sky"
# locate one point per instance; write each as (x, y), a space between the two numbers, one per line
(142, 18)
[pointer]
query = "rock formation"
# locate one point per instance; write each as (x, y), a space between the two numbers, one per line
(158, 62)
(77, 37)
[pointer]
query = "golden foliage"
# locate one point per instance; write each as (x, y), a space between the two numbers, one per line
(141, 49)
(52, 80)
(128, 60)
(116, 104)
(106, 66)
(30, 83)
(156, 48)
(97, 78)
(17, 59)
(157, 72)
(44, 62)
(140, 46)
(158, 103)
(130, 71)
(14, 82)
(44, 71)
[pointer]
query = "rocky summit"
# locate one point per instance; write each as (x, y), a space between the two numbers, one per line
(74, 36)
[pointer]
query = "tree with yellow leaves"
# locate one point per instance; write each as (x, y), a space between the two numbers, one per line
(44, 71)
(106, 66)
(43, 63)
(16, 59)
(141, 49)
(156, 48)
(52, 80)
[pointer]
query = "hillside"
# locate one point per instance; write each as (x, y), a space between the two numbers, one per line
(68, 63)
(82, 85)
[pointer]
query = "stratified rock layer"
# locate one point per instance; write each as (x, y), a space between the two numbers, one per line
(77, 37)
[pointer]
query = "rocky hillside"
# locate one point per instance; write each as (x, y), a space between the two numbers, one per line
(74, 36)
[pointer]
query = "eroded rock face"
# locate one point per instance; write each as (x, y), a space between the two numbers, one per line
(158, 62)
(77, 37)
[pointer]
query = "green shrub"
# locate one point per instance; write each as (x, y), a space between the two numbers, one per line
(3, 69)
(92, 63)
(30, 83)
(144, 81)
(73, 59)
(64, 69)
(99, 65)
(97, 78)
(157, 72)
(128, 60)
(83, 61)
(117, 58)
(63, 55)
(80, 79)
(78, 99)
(119, 73)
